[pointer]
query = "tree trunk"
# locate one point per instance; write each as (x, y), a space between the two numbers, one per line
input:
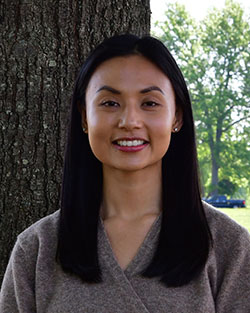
(215, 157)
(215, 177)
(42, 45)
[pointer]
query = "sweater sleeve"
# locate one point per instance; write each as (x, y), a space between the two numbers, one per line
(17, 291)
(233, 294)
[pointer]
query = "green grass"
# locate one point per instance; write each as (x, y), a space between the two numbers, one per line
(240, 215)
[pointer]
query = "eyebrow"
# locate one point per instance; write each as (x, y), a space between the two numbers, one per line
(108, 88)
(117, 92)
(151, 88)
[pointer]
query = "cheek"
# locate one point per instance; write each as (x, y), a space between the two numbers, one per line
(95, 125)
(98, 135)
(91, 116)
(163, 142)
(97, 145)
(162, 131)
(162, 127)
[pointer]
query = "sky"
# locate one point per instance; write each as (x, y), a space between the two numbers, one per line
(197, 8)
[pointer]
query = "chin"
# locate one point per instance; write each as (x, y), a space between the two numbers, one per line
(133, 167)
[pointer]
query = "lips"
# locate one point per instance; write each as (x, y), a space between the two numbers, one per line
(130, 142)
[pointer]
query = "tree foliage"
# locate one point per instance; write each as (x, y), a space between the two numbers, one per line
(226, 187)
(214, 57)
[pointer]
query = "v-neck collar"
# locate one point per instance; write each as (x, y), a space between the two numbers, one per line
(141, 259)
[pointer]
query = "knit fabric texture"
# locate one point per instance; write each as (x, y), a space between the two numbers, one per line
(35, 283)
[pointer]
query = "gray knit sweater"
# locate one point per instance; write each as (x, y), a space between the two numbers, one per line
(35, 283)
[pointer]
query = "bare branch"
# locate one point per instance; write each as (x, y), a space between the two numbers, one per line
(228, 110)
(235, 122)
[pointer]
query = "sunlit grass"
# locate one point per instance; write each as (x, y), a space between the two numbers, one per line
(240, 215)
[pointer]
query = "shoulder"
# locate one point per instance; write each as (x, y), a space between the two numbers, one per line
(220, 222)
(228, 236)
(228, 264)
(44, 231)
(34, 247)
(32, 264)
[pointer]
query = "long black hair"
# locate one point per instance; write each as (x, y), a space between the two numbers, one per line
(184, 238)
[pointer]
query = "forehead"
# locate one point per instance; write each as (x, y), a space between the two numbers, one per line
(130, 71)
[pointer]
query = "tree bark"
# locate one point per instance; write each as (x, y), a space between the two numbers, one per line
(215, 175)
(42, 45)
(215, 157)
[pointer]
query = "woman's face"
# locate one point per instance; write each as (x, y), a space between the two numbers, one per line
(130, 113)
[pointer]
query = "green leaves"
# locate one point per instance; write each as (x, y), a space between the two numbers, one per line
(213, 55)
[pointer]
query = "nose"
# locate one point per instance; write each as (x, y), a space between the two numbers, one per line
(130, 118)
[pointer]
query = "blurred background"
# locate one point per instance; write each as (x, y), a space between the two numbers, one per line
(210, 41)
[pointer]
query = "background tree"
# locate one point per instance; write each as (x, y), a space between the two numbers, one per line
(226, 187)
(42, 44)
(214, 56)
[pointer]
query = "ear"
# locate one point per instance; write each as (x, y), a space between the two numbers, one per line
(178, 120)
(84, 117)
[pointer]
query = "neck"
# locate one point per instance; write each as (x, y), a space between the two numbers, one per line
(131, 194)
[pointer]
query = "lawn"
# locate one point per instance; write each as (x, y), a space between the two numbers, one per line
(240, 215)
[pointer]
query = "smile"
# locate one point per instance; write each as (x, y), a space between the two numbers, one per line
(130, 143)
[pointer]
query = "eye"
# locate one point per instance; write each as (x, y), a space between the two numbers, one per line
(150, 104)
(110, 104)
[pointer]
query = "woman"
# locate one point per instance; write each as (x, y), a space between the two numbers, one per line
(132, 234)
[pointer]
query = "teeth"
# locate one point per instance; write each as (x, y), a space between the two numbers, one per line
(130, 143)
